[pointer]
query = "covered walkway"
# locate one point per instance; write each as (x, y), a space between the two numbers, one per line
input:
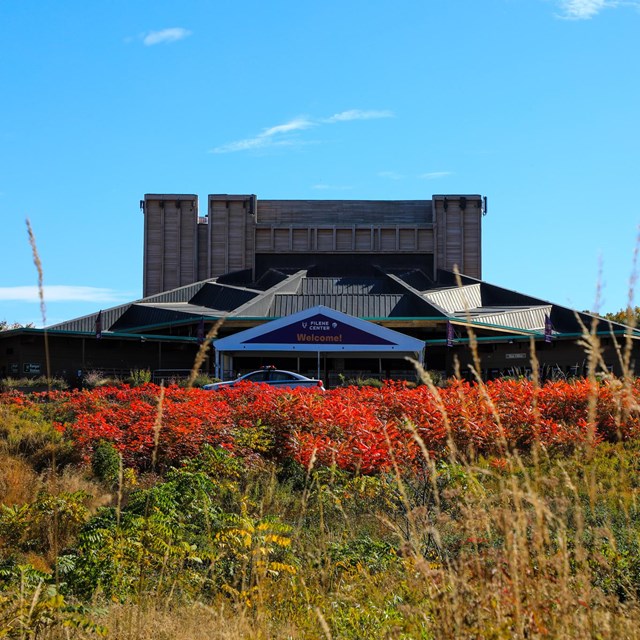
(327, 336)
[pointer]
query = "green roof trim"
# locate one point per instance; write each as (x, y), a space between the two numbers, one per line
(521, 338)
(152, 337)
(105, 335)
(367, 318)
(263, 319)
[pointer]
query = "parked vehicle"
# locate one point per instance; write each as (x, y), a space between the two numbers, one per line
(277, 378)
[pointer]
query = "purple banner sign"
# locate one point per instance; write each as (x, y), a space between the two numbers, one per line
(451, 334)
(548, 329)
(98, 325)
(318, 329)
(200, 331)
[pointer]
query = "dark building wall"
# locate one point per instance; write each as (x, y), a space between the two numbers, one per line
(339, 264)
(23, 355)
(564, 356)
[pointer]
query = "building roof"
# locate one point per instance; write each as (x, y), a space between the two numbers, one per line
(383, 296)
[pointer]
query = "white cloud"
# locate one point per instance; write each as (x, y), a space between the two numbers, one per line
(271, 137)
(584, 9)
(434, 175)
(251, 143)
(294, 125)
(358, 114)
(284, 134)
(62, 293)
(165, 36)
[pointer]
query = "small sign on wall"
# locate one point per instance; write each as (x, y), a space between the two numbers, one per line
(31, 367)
(14, 367)
(515, 356)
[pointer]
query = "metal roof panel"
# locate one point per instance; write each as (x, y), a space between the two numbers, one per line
(530, 318)
(454, 299)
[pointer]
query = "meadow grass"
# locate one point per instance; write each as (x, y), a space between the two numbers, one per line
(515, 546)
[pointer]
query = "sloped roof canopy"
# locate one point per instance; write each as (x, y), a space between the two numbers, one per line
(320, 329)
(383, 295)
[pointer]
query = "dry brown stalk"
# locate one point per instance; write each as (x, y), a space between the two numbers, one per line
(157, 426)
(43, 308)
(202, 352)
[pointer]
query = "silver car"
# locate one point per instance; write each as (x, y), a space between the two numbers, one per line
(276, 378)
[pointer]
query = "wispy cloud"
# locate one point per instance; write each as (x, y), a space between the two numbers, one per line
(435, 175)
(165, 36)
(584, 9)
(358, 114)
(282, 135)
(279, 135)
(62, 293)
(293, 125)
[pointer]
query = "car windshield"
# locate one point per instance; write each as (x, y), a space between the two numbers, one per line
(280, 376)
(256, 376)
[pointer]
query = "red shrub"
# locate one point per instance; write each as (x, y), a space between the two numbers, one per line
(366, 428)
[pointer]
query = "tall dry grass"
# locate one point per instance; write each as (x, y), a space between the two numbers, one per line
(43, 307)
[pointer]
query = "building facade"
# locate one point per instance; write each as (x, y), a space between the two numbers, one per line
(413, 266)
(240, 232)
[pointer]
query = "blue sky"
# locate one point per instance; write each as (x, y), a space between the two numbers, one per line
(533, 103)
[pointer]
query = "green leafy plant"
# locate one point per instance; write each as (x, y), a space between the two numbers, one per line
(200, 380)
(35, 609)
(39, 383)
(106, 463)
(46, 525)
(138, 377)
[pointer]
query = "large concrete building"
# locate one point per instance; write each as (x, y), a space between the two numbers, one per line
(412, 266)
(242, 233)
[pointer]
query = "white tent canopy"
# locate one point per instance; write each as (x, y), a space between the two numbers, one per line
(320, 329)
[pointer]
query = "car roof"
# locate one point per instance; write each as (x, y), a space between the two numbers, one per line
(271, 370)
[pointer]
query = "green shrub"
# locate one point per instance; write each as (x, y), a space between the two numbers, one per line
(138, 377)
(46, 525)
(193, 534)
(40, 383)
(199, 381)
(366, 382)
(25, 433)
(40, 611)
(363, 554)
(105, 463)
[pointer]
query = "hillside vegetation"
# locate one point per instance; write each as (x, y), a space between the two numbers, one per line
(499, 510)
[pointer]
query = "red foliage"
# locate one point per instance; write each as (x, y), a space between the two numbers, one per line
(355, 428)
